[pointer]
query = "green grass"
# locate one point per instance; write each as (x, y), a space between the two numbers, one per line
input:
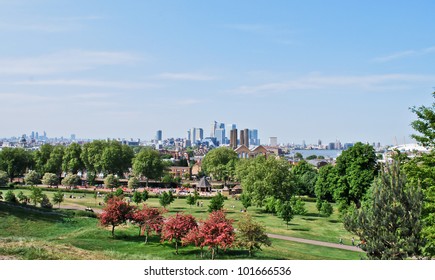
(66, 234)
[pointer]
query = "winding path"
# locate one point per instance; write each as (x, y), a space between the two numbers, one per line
(315, 242)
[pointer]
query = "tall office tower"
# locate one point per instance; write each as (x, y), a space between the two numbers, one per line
(242, 137)
(319, 142)
(304, 145)
(73, 137)
(45, 135)
(199, 134)
(159, 135)
(233, 138)
(253, 137)
(246, 137)
(214, 125)
(331, 146)
(273, 141)
(193, 135)
(37, 136)
(220, 136)
(188, 135)
(32, 135)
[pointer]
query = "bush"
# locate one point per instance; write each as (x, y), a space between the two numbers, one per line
(45, 202)
(32, 178)
(326, 209)
(10, 197)
(298, 206)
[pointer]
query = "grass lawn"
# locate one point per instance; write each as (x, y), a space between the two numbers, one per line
(29, 235)
(25, 234)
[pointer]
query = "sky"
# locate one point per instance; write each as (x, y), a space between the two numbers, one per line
(296, 70)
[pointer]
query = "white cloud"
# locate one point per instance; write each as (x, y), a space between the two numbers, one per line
(65, 61)
(88, 83)
(186, 77)
(318, 82)
(403, 54)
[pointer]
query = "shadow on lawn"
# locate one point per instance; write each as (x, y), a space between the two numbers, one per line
(30, 212)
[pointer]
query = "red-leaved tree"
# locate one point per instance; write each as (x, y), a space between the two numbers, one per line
(176, 227)
(215, 232)
(115, 213)
(149, 219)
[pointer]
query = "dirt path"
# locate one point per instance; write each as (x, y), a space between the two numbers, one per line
(315, 242)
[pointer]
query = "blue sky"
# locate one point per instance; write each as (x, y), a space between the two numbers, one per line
(298, 70)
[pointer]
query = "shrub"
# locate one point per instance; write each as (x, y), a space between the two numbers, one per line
(10, 197)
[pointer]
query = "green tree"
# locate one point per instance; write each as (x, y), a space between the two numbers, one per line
(1, 195)
(306, 176)
(286, 213)
(32, 178)
(420, 171)
(390, 221)
(116, 158)
(133, 183)
(425, 124)
(148, 163)
(357, 167)
(71, 180)
(261, 177)
(15, 161)
(36, 195)
(246, 200)
(220, 163)
(45, 202)
(216, 203)
(251, 235)
(58, 197)
(327, 180)
(145, 195)
(326, 209)
(190, 200)
(3, 178)
(166, 198)
(54, 163)
(22, 198)
(50, 179)
(298, 206)
(137, 197)
(10, 197)
(91, 156)
(72, 161)
(119, 192)
(111, 182)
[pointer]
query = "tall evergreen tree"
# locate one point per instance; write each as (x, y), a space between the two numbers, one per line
(389, 222)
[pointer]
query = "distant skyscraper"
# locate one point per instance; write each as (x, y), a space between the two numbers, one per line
(159, 135)
(253, 137)
(37, 136)
(73, 137)
(233, 138)
(273, 141)
(214, 125)
(331, 146)
(220, 136)
(246, 137)
(199, 134)
(242, 137)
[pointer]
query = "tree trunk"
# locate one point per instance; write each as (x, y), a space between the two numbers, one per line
(176, 247)
(113, 231)
(146, 237)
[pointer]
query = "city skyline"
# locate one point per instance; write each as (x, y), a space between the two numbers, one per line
(295, 71)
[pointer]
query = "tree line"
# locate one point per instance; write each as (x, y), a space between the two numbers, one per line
(96, 157)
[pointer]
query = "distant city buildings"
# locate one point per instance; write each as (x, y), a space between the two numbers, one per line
(159, 136)
(273, 141)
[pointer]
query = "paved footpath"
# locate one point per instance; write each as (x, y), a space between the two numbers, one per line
(315, 242)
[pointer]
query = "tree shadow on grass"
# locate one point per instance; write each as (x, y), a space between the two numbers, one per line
(313, 215)
(309, 219)
(33, 213)
(300, 229)
(334, 221)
